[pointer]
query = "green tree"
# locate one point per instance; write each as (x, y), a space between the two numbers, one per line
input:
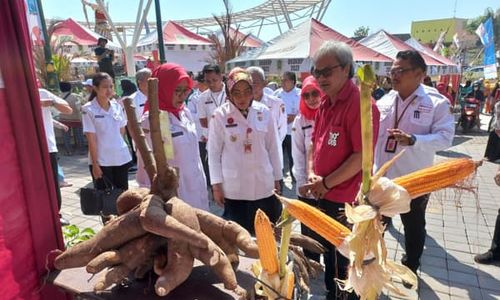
(361, 32)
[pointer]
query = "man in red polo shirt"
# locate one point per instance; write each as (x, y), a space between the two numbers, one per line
(334, 166)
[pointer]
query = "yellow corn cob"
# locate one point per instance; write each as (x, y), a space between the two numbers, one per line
(290, 285)
(437, 177)
(268, 251)
(319, 222)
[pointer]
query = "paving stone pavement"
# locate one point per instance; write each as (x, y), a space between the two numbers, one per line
(457, 227)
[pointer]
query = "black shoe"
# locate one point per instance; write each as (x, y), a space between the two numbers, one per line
(63, 221)
(487, 258)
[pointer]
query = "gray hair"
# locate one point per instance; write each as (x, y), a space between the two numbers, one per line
(143, 74)
(257, 70)
(340, 50)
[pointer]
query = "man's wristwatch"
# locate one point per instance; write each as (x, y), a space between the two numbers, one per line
(412, 140)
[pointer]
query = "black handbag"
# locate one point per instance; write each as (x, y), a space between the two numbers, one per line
(96, 202)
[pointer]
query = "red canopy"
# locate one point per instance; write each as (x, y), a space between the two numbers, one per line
(320, 33)
(251, 41)
(174, 33)
(78, 33)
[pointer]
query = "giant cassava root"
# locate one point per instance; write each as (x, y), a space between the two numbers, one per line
(157, 231)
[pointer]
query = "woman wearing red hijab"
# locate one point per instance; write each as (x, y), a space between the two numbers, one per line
(179, 130)
(302, 129)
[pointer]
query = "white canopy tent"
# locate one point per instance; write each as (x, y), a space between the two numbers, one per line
(292, 51)
(387, 44)
(186, 48)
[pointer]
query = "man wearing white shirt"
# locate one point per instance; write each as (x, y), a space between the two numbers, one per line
(417, 119)
(208, 102)
(141, 96)
(47, 101)
(192, 105)
(291, 97)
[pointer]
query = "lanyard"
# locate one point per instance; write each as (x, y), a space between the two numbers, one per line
(221, 98)
(396, 119)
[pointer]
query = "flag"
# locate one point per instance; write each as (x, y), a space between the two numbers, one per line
(440, 41)
(487, 38)
(456, 40)
(481, 32)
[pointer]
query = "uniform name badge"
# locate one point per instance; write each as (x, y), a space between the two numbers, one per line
(247, 143)
(391, 144)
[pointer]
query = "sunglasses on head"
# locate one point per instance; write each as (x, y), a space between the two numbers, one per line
(313, 94)
(326, 72)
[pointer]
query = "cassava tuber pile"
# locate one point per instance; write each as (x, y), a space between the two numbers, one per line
(157, 231)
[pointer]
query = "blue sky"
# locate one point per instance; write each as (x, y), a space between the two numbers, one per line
(344, 16)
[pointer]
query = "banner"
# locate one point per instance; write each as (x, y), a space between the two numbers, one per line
(485, 33)
(33, 18)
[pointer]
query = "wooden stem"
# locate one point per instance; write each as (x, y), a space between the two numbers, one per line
(139, 139)
(154, 124)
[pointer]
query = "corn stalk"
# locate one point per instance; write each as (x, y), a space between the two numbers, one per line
(367, 78)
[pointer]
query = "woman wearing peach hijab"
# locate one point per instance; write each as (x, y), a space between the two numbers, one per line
(243, 154)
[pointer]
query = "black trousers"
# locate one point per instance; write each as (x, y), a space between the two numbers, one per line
(414, 227)
(309, 232)
(117, 175)
(243, 211)
(287, 151)
(53, 165)
(131, 145)
(336, 265)
(495, 243)
(492, 151)
(204, 160)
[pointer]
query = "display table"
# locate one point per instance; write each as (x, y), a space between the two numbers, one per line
(202, 284)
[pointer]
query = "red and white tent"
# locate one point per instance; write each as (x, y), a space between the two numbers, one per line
(78, 36)
(452, 67)
(389, 45)
(186, 48)
(292, 51)
(250, 42)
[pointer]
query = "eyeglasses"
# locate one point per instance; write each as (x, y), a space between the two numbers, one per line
(326, 72)
(181, 92)
(312, 94)
(399, 71)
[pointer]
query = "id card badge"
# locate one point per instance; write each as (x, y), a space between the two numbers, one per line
(391, 145)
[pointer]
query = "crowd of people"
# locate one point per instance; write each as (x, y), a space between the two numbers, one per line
(232, 139)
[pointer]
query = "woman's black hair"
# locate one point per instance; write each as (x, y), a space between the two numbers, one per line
(96, 81)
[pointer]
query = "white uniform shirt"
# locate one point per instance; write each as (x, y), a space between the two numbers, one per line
(428, 117)
(47, 118)
(277, 107)
(244, 176)
(111, 147)
(291, 100)
(139, 102)
(193, 109)
(208, 102)
(192, 183)
(301, 140)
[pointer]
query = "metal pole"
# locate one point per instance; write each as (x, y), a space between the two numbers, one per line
(52, 81)
(159, 31)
